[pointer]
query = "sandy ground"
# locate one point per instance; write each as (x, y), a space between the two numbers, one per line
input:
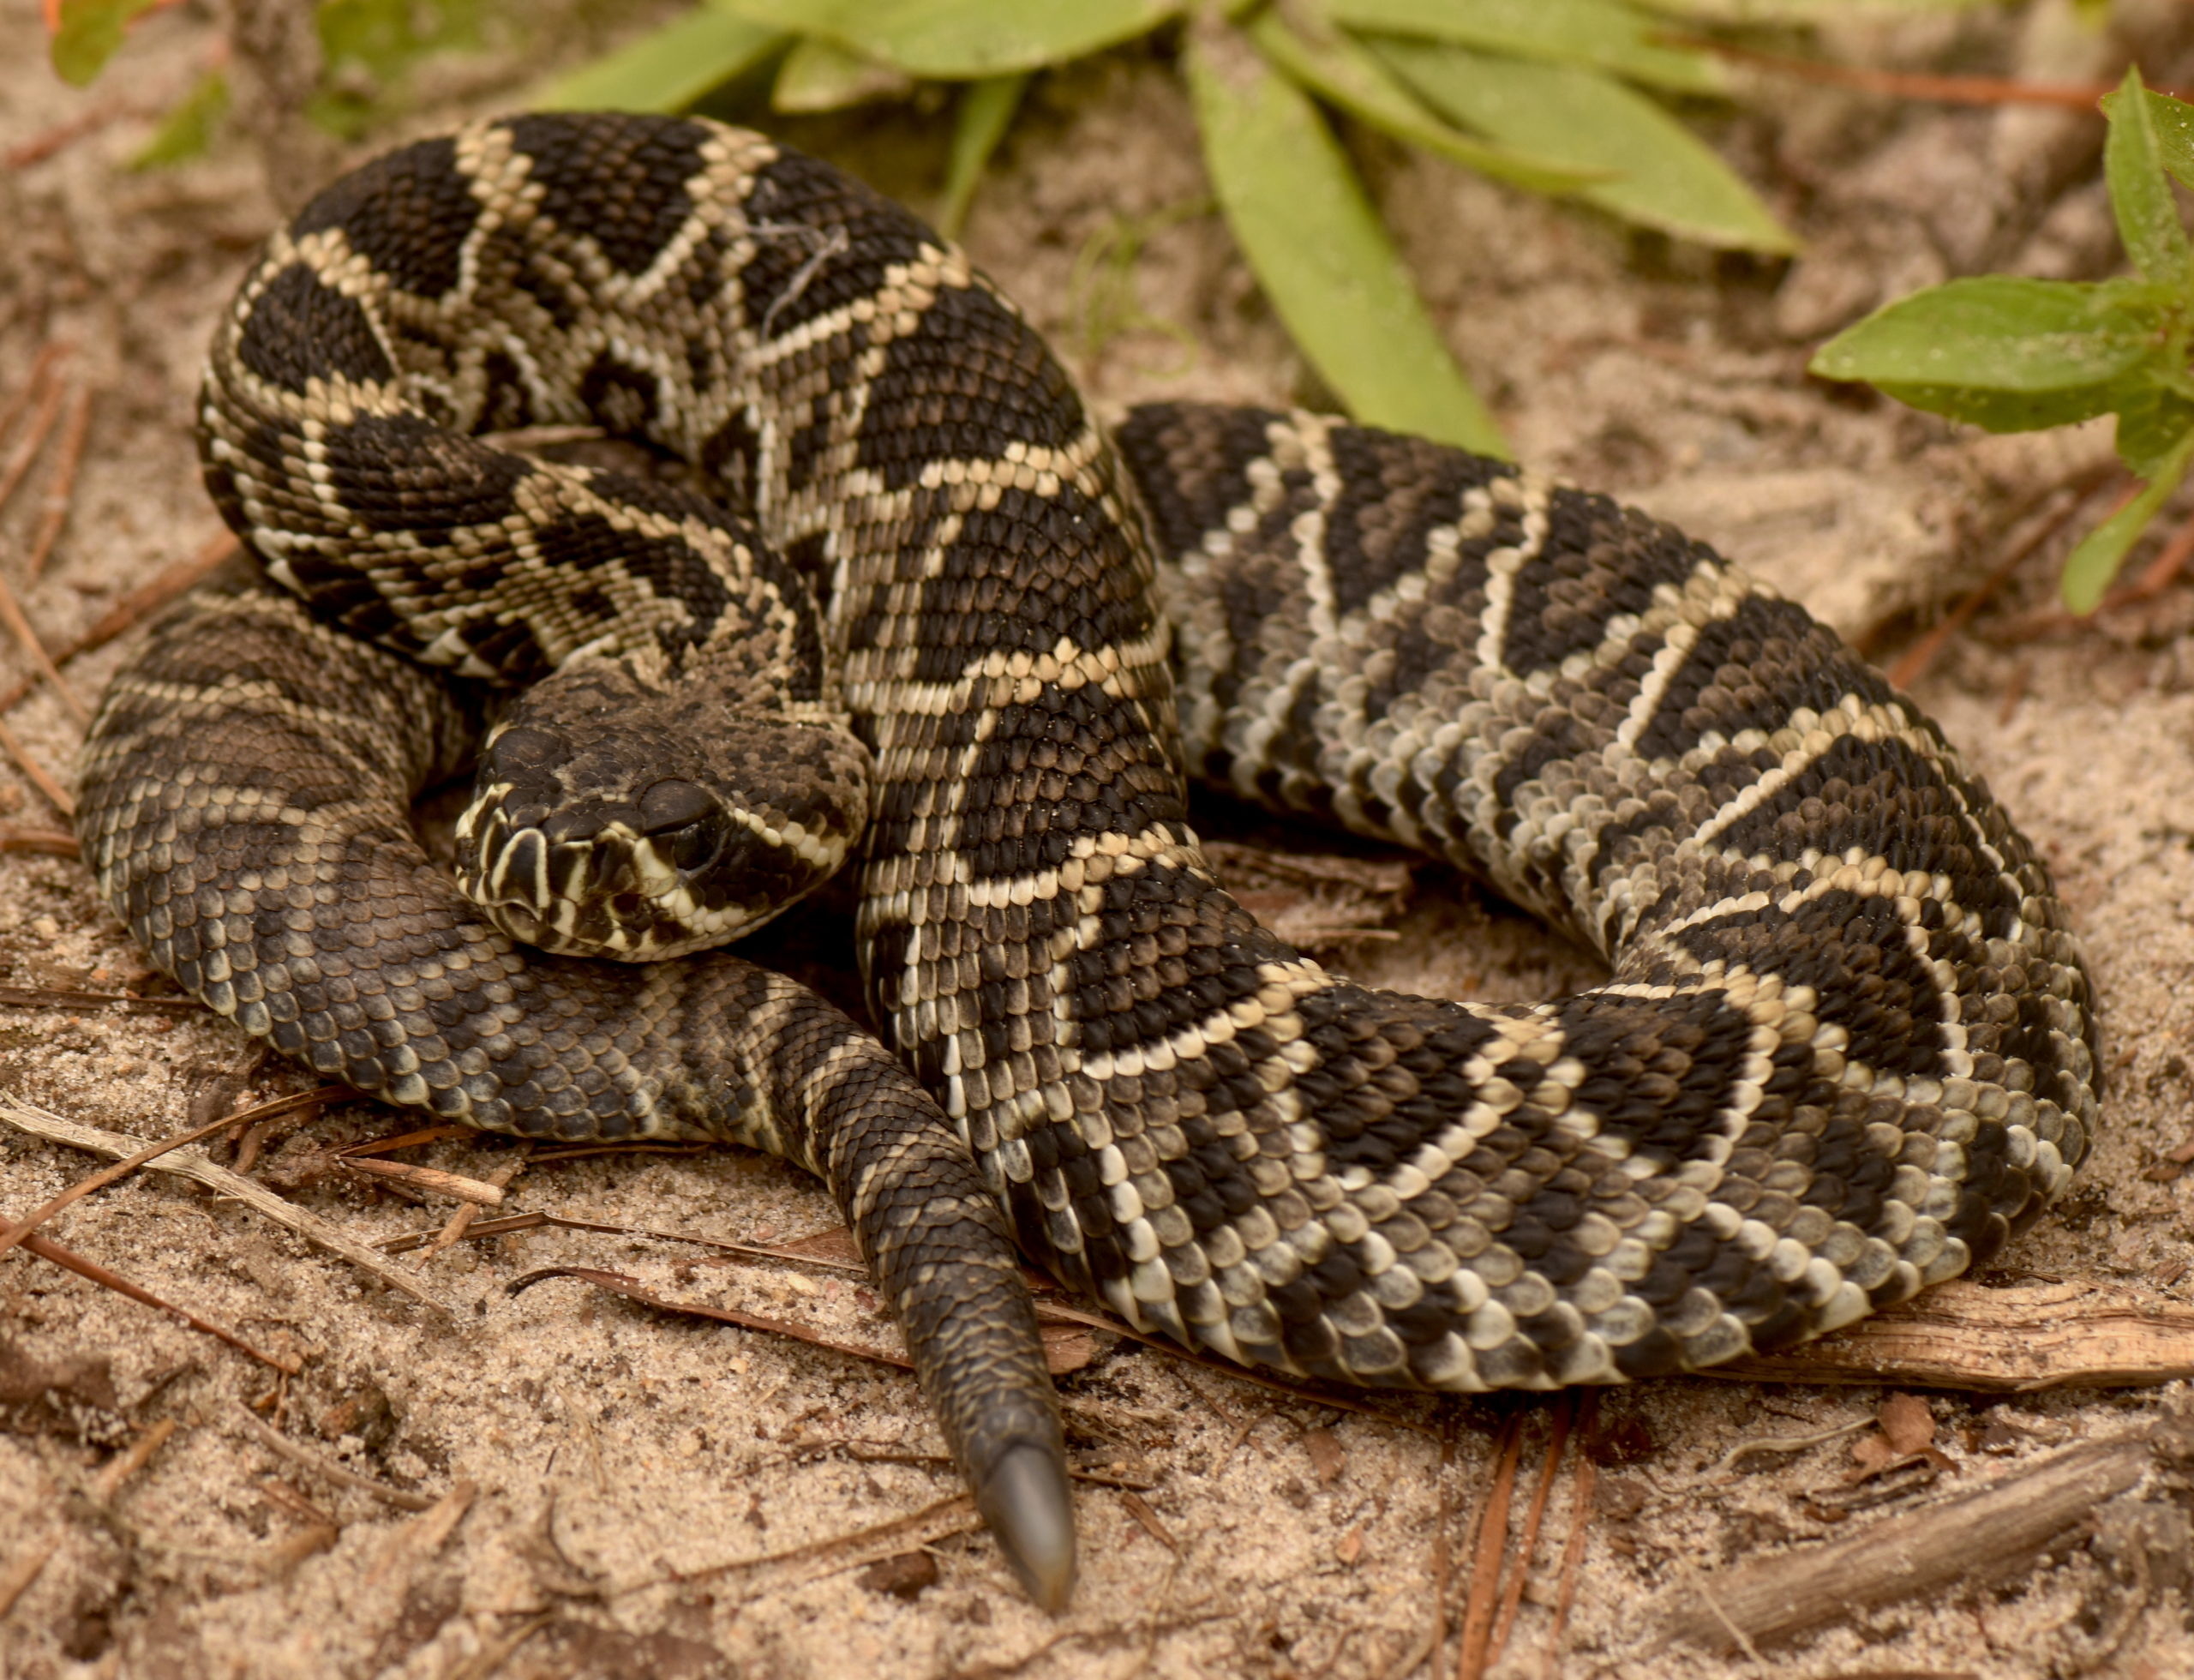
(629, 1468)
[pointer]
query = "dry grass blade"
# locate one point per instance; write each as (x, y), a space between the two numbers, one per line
(1980, 90)
(23, 1570)
(618, 1283)
(423, 1537)
(46, 1249)
(106, 1175)
(52, 997)
(127, 1462)
(11, 614)
(27, 761)
(1147, 1519)
(1914, 663)
(1488, 1550)
(36, 1122)
(139, 604)
(1572, 1549)
(1985, 1534)
(59, 493)
(40, 841)
(327, 1470)
(49, 392)
(2071, 1333)
(952, 1516)
(1561, 1417)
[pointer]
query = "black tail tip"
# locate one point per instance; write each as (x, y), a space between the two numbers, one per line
(1027, 1501)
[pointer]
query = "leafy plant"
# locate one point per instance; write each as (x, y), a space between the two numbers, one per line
(1543, 94)
(2014, 355)
(365, 46)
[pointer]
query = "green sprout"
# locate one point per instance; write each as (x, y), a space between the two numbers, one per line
(2013, 354)
(1543, 94)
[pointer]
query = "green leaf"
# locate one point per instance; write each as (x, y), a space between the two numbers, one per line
(2150, 426)
(386, 37)
(2011, 410)
(1317, 249)
(2173, 122)
(1668, 178)
(87, 34)
(980, 122)
(1602, 33)
(666, 69)
(963, 40)
(187, 130)
(1342, 73)
(2140, 192)
(819, 75)
(2090, 567)
(1999, 334)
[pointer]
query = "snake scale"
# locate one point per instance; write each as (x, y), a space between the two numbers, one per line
(1848, 1046)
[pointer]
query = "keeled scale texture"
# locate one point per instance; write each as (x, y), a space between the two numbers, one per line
(1847, 1046)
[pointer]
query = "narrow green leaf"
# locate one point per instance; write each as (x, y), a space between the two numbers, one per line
(2009, 411)
(1317, 249)
(2090, 568)
(1602, 33)
(666, 69)
(963, 40)
(2140, 193)
(1342, 73)
(187, 130)
(819, 75)
(1999, 332)
(1667, 178)
(87, 34)
(2173, 121)
(985, 112)
(2151, 423)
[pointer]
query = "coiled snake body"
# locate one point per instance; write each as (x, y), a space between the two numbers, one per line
(1848, 1046)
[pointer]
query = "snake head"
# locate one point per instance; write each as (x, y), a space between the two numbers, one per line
(608, 832)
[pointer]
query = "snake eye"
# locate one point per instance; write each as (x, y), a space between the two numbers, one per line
(684, 818)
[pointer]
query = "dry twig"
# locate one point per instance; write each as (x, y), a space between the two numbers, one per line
(327, 1469)
(2069, 1334)
(1985, 1534)
(37, 1122)
(429, 1178)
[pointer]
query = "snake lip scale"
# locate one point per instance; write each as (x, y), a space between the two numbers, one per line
(1847, 1048)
